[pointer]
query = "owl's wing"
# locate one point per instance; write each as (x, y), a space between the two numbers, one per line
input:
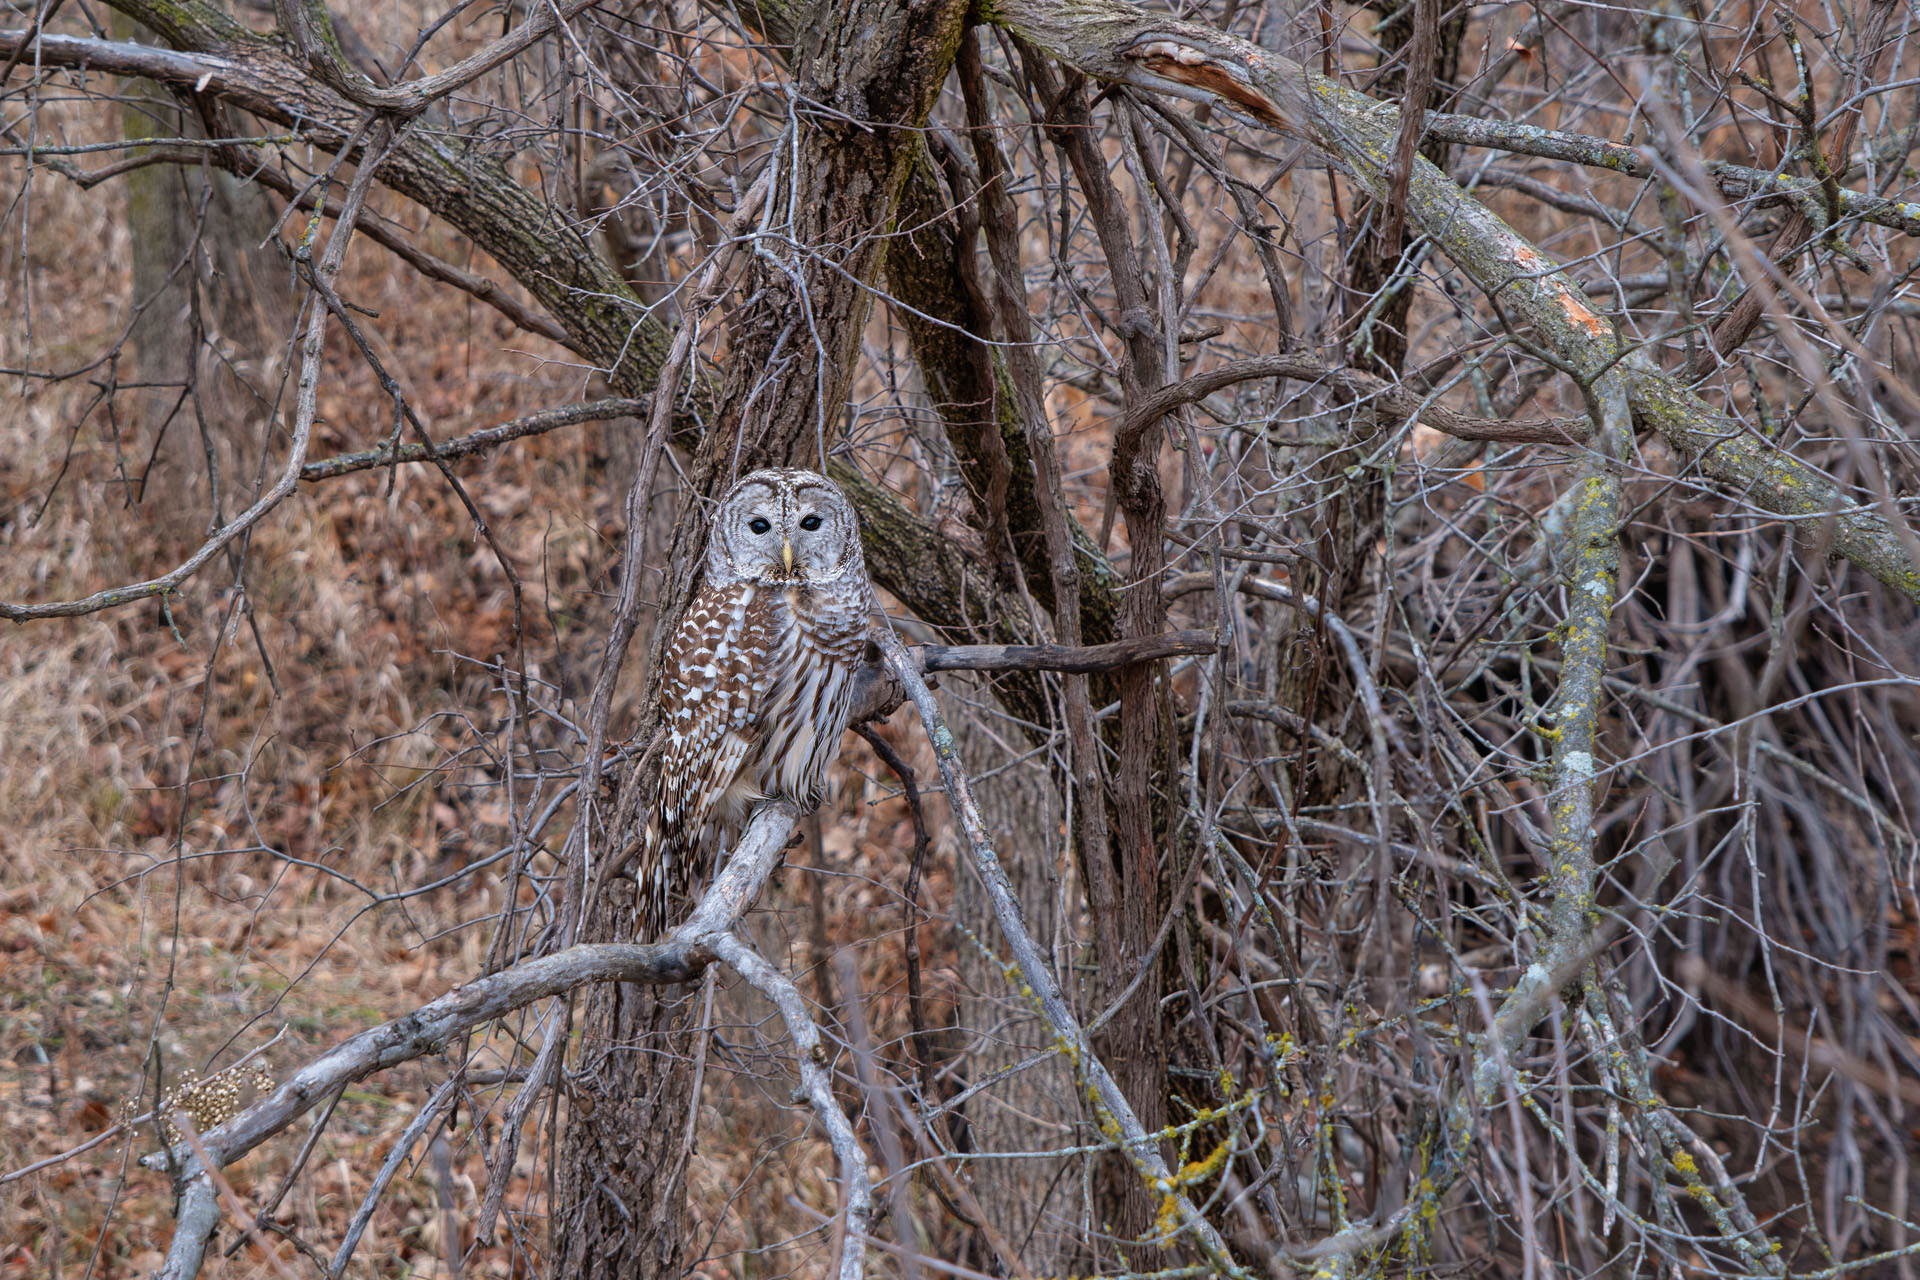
(711, 704)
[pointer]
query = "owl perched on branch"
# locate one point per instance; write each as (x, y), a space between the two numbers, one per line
(759, 678)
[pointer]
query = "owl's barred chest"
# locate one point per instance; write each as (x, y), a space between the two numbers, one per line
(808, 643)
(763, 649)
(833, 623)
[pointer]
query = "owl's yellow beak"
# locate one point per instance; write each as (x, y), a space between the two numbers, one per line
(786, 554)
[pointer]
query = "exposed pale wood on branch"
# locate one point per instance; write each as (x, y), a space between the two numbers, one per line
(1115, 42)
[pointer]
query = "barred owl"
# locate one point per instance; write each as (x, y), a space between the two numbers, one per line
(759, 677)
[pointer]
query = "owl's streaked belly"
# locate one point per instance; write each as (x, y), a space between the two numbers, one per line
(807, 708)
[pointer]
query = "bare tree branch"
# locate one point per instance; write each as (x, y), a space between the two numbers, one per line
(305, 408)
(1135, 1142)
(533, 424)
(1386, 399)
(1056, 657)
(1115, 41)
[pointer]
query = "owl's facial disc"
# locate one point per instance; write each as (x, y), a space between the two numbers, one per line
(777, 531)
(753, 540)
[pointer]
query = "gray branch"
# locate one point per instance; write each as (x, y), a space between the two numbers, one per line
(1139, 1146)
(431, 1028)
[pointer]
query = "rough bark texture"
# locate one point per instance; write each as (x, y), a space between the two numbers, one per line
(1127, 888)
(1119, 42)
(935, 270)
(459, 179)
(872, 69)
(620, 1209)
(621, 1206)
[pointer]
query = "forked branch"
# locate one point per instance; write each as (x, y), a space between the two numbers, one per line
(705, 937)
(708, 934)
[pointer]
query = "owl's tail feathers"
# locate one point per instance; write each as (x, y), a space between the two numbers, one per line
(655, 886)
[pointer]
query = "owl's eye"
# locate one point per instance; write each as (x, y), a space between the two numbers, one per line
(759, 525)
(810, 523)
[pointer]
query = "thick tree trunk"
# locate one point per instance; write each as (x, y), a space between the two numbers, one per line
(879, 64)
(877, 67)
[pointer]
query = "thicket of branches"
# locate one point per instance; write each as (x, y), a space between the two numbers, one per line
(1415, 503)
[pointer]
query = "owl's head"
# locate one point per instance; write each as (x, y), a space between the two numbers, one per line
(782, 526)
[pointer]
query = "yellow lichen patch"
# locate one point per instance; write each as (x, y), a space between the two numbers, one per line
(1167, 1220)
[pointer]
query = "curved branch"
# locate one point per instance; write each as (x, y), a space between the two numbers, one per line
(306, 407)
(433, 1025)
(429, 1029)
(1387, 399)
(705, 936)
(311, 30)
(810, 1055)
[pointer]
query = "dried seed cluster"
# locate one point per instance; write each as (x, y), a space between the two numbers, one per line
(212, 1101)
